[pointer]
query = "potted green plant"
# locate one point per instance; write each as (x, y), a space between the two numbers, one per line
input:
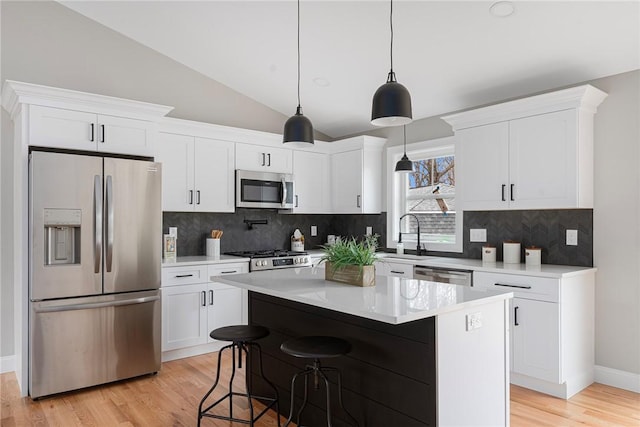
(351, 261)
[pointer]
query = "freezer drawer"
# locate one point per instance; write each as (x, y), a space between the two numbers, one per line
(81, 342)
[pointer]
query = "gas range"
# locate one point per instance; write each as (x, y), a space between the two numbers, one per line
(274, 259)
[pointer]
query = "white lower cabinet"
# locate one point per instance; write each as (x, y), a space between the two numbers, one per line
(551, 331)
(193, 305)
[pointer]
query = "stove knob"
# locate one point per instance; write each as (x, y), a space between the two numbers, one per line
(296, 260)
(305, 260)
(263, 263)
(257, 263)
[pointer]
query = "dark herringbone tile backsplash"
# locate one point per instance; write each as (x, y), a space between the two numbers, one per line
(542, 228)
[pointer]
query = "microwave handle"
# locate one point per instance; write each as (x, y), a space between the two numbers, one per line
(284, 192)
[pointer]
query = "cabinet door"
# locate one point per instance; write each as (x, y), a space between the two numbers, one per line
(124, 136)
(263, 158)
(225, 306)
(535, 339)
(543, 161)
(184, 316)
(482, 166)
(346, 182)
(311, 175)
(55, 127)
(175, 152)
(214, 175)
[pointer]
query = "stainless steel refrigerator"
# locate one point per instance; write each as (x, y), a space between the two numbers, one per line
(94, 270)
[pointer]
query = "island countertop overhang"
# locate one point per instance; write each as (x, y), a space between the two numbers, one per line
(392, 300)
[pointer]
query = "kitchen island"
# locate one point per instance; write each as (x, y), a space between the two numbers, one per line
(423, 353)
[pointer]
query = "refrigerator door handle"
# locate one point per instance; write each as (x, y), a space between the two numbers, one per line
(109, 224)
(97, 226)
(94, 305)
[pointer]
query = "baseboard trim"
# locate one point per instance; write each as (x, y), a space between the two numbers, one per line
(7, 364)
(616, 378)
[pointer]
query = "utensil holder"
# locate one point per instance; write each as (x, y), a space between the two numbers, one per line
(213, 248)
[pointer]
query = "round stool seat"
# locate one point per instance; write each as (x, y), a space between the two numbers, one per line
(316, 347)
(239, 333)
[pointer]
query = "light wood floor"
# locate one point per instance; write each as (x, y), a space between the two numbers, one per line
(171, 399)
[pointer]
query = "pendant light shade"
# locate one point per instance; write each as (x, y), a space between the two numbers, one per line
(391, 104)
(298, 128)
(404, 164)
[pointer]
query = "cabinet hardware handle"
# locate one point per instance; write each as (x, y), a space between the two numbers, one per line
(210, 297)
(204, 298)
(197, 197)
(229, 272)
(92, 132)
(102, 138)
(296, 200)
(503, 187)
(358, 201)
(180, 276)
(396, 272)
(512, 286)
(511, 192)
(190, 197)
(263, 159)
(269, 157)
(98, 220)
(515, 316)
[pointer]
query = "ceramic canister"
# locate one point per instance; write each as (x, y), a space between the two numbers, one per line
(511, 252)
(489, 254)
(532, 255)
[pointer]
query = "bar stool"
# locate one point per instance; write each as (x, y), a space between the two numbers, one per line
(242, 337)
(316, 348)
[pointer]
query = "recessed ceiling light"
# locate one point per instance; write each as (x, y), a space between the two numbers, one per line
(321, 81)
(502, 9)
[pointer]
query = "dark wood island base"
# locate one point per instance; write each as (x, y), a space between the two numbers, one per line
(388, 378)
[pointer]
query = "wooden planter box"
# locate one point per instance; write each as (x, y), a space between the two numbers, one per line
(351, 274)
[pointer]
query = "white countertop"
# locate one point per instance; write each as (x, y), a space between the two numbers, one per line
(544, 270)
(199, 260)
(392, 300)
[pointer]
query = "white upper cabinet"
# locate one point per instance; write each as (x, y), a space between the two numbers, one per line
(532, 153)
(311, 175)
(262, 158)
(197, 173)
(356, 175)
(62, 118)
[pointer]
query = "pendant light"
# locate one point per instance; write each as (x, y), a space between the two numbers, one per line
(391, 103)
(298, 128)
(404, 165)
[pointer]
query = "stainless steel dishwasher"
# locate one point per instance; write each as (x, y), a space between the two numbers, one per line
(443, 275)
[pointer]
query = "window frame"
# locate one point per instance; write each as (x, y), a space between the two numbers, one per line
(397, 182)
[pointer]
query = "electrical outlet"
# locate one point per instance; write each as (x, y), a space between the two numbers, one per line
(369, 231)
(314, 230)
(478, 235)
(572, 237)
(173, 231)
(474, 321)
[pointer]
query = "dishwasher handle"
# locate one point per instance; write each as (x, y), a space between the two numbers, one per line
(455, 277)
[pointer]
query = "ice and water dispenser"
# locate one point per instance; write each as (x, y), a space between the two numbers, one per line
(62, 236)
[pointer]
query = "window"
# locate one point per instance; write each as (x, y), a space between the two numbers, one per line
(428, 193)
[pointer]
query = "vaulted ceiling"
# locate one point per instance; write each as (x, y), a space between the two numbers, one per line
(451, 55)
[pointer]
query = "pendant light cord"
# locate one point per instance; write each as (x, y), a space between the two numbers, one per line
(391, 25)
(298, 54)
(404, 131)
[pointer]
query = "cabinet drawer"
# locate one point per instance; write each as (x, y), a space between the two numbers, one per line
(528, 287)
(394, 269)
(172, 276)
(226, 269)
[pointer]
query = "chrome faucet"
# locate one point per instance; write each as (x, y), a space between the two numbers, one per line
(419, 247)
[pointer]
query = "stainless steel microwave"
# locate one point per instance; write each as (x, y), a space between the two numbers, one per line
(264, 190)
